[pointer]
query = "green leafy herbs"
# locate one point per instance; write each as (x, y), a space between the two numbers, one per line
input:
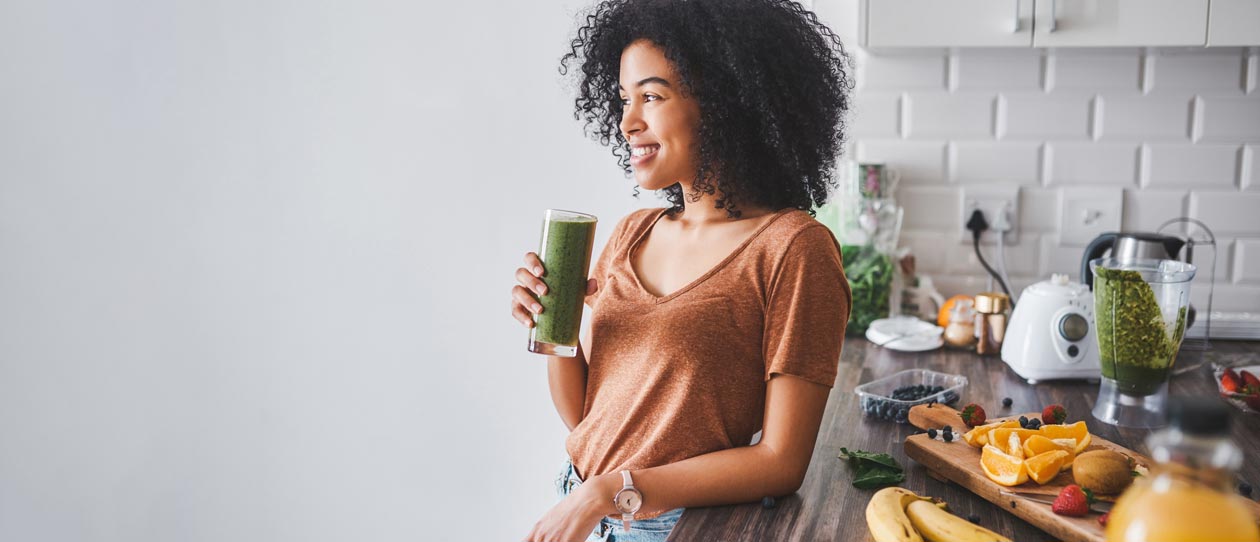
(1135, 347)
(872, 470)
(870, 274)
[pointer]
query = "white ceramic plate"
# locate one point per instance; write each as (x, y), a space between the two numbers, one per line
(905, 333)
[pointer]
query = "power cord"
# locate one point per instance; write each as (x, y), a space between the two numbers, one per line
(977, 224)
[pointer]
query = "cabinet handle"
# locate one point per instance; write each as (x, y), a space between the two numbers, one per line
(1015, 22)
(1054, 15)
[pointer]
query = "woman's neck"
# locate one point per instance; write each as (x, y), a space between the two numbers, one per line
(705, 212)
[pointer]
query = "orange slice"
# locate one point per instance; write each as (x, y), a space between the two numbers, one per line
(979, 435)
(1038, 444)
(1002, 435)
(1042, 468)
(1015, 447)
(1001, 467)
(1076, 431)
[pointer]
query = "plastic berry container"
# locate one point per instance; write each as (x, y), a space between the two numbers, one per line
(891, 397)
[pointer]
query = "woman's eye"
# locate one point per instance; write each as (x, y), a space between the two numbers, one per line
(650, 97)
(625, 102)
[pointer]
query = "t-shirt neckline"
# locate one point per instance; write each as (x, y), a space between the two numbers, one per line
(634, 273)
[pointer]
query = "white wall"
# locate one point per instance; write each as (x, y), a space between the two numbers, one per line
(255, 260)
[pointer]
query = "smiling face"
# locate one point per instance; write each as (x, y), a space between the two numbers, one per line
(658, 120)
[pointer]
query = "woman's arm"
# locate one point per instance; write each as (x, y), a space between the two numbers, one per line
(775, 466)
(567, 380)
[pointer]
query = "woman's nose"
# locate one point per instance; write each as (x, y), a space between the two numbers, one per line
(631, 120)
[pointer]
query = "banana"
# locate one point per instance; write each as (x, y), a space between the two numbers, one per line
(937, 525)
(886, 515)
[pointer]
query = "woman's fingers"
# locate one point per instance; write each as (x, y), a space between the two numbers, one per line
(534, 264)
(518, 312)
(528, 280)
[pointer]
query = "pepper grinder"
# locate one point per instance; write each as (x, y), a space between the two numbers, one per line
(991, 321)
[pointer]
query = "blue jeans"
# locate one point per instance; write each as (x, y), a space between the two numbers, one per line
(609, 530)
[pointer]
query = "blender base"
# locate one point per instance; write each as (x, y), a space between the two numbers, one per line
(1123, 410)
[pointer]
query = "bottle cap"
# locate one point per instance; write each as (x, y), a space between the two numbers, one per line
(1200, 416)
(992, 302)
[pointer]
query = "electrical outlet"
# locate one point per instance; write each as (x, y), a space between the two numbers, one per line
(991, 199)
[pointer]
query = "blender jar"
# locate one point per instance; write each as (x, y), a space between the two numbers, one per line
(1140, 317)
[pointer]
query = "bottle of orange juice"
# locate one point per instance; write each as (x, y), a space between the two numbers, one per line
(1189, 495)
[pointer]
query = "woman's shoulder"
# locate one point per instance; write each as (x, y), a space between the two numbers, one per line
(797, 225)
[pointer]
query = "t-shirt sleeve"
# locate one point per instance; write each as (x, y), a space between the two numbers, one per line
(808, 309)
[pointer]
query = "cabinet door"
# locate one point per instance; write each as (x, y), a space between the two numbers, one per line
(1234, 22)
(1131, 23)
(954, 23)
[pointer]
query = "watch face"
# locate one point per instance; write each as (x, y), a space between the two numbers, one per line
(629, 501)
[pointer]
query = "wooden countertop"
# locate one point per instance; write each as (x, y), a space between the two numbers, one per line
(828, 507)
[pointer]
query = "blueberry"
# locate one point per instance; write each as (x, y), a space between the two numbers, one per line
(901, 418)
(767, 502)
(1007, 402)
(974, 518)
(1034, 423)
(947, 429)
(932, 434)
(947, 437)
(1244, 489)
(1023, 422)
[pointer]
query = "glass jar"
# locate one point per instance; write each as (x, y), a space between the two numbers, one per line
(961, 331)
(991, 322)
(1189, 495)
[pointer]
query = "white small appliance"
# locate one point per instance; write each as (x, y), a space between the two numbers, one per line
(1051, 332)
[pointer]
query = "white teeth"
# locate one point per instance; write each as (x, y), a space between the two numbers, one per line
(643, 151)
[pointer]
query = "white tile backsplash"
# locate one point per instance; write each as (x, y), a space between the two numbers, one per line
(979, 69)
(984, 162)
(1212, 167)
(901, 72)
(1228, 213)
(1247, 261)
(1093, 72)
(1146, 210)
(918, 162)
(956, 115)
(1214, 71)
(1178, 129)
(1230, 119)
(1091, 163)
(1135, 117)
(1039, 116)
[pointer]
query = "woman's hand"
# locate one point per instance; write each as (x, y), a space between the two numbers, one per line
(529, 285)
(574, 518)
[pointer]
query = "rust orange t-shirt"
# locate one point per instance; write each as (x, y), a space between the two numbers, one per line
(683, 375)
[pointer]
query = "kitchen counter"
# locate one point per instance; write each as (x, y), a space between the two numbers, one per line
(828, 507)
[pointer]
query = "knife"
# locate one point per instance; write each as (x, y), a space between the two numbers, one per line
(1098, 507)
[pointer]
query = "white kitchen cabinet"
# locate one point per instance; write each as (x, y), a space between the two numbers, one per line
(1234, 22)
(1120, 23)
(954, 23)
(1056, 23)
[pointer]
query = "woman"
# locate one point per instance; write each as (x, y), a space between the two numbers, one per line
(723, 314)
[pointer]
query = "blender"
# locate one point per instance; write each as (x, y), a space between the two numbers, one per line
(1140, 309)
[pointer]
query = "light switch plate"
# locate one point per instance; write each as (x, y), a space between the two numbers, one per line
(1087, 212)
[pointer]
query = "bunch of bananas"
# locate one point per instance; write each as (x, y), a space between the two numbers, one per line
(898, 515)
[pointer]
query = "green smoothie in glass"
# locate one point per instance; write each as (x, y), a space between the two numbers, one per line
(565, 250)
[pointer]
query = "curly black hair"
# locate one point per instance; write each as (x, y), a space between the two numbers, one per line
(772, 84)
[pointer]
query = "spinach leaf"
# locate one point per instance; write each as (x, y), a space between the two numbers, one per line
(872, 470)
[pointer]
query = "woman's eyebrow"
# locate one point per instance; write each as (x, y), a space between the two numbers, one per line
(652, 79)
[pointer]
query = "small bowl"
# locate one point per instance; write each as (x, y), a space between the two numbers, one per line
(875, 398)
(1234, 398)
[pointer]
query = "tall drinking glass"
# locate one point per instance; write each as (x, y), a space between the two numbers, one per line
(565, 250)
(1140, 317)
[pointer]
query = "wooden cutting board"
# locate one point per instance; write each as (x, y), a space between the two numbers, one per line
(958, 462)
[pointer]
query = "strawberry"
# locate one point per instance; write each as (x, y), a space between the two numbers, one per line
(1230, 381)
(972, 415)
(1102, 520)
(1053, 414)
(1249, 380)
(1072, 501)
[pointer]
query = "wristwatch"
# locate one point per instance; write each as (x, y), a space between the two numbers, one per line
(628, 500)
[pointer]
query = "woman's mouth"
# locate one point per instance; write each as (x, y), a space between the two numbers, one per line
(642, 153)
